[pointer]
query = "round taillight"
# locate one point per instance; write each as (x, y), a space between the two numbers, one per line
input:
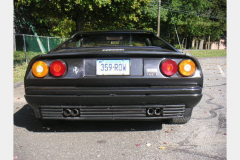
(40, 69)
(169, 67)
(57, 68)
(187, 68)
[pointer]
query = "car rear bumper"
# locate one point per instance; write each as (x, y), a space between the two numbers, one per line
(112, 103)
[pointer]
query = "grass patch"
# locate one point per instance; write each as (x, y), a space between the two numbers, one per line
(19, 72)
(19, 57)
(19, 64)
(208, 53)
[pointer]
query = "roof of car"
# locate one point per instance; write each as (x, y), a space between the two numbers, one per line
(114, 31)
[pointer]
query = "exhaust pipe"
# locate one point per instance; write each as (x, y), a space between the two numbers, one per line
(150, 111)
(75, 112)
(157, 111)
(67, 112)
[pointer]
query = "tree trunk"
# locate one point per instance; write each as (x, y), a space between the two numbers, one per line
(219, 42)
(193, 42)
(183, 42)
(186, 43)
(189, 42)
(201, 43)
(209, 42)
(80, 22)
(173, 40)
(197, 44)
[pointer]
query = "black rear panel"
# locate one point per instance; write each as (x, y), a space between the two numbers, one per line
(144, 72)
(112, 97)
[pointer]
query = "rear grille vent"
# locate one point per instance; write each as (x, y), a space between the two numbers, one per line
(51, 112)
(99, 111)
(170, 111)
(113, 112)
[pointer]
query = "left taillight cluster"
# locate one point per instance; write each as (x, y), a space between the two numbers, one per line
(186, 67)
(41, 69)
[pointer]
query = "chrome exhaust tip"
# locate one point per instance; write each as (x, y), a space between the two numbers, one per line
(75, 112)
(157, 111)
(67, 112)
(150, 111)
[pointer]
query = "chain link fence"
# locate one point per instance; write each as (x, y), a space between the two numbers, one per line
(32, 43)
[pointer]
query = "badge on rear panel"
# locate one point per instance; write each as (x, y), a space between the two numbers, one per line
(113, 49)
(151, 72)
(75, 70)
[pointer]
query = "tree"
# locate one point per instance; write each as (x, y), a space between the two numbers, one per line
(74, 15)
(195, 19)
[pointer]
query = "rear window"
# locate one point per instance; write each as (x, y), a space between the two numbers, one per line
(102, 40)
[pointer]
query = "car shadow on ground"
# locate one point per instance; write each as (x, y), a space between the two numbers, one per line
(25, 118)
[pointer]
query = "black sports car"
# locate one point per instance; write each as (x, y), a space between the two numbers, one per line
(114, 75)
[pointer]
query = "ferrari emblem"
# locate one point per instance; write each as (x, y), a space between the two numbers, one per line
(75, 70)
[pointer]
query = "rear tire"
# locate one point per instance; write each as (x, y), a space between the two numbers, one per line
(182, 120)
(179, 120)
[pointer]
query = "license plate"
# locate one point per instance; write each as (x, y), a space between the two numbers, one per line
(113, 67)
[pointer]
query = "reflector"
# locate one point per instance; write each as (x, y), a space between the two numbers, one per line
(40, 69)
(169, 67)
(57, 68)
(187, 67)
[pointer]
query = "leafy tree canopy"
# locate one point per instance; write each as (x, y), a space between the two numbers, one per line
(194, 19)
(75, 15)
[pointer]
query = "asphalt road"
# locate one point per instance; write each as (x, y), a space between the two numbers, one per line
(203, 137)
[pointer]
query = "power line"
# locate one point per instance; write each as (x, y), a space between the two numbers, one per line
(189, 12)
(185, 11)
(175, 27)
(159, 15)
(167, 3)
(197, 14)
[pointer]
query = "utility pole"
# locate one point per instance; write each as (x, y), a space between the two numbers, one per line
(159, 15)
(14, 39)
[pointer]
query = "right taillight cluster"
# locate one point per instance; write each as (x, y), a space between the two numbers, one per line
(186, 67)
(41, 69)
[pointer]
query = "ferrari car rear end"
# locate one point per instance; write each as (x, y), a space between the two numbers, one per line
(114, 75)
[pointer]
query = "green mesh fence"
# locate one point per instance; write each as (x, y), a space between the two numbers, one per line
(53, 42)
(32, 44)
(36, 44)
